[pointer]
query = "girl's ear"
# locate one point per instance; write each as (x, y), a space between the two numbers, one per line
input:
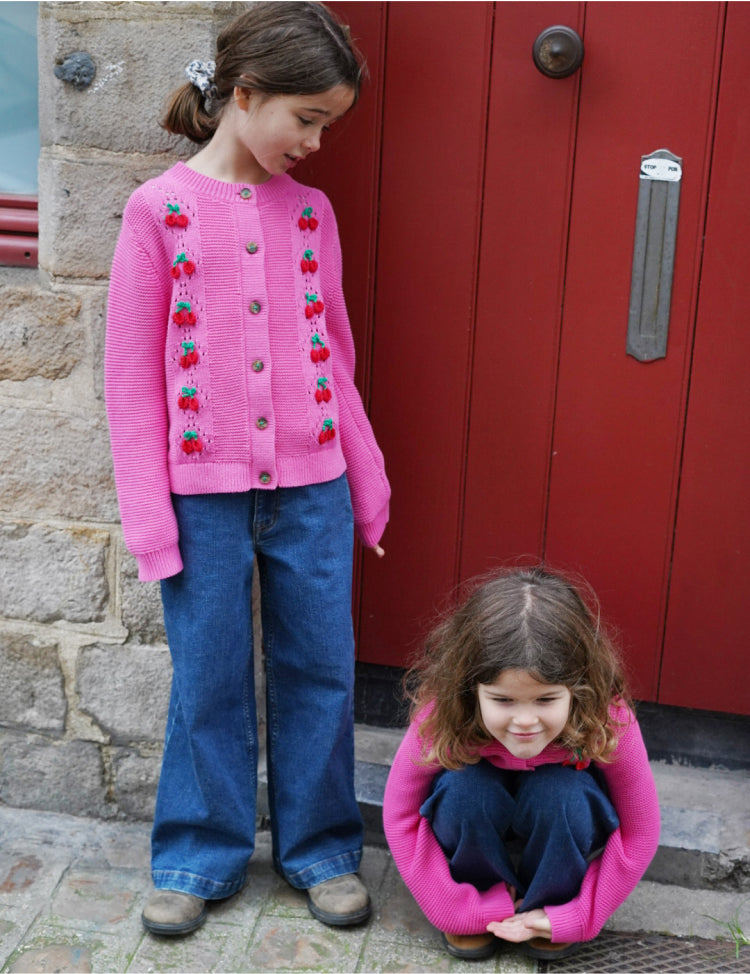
(242, 97)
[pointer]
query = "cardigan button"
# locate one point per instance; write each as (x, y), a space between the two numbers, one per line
(246, 193)
(261, 422)
(258, 366)
(265, 478)
(255, 308)
(252, 247)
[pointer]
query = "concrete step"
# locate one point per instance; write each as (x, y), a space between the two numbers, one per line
(705, 832)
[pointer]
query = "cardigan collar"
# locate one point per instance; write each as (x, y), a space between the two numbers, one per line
(277, 187)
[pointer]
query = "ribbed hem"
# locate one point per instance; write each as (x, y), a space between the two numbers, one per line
(155, 565)
(232, 477)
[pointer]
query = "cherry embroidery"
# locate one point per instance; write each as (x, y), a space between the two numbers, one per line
(174, 218)
(182, 261)
(184, 315)
(327, 433)
(313, 305)
(322, 393)
(188, 399)
(307, 220)
(191, 442)
(308, 263)
(189, 355)
(575, 761)
(319, 352)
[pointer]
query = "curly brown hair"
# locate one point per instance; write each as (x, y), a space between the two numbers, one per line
(528, 619)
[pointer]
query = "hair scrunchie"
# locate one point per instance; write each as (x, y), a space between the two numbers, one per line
(201, 74)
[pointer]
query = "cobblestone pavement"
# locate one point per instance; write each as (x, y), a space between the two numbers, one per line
(72, 890)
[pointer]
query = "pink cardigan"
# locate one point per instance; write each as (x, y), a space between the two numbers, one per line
(229, 356)
(462, 909)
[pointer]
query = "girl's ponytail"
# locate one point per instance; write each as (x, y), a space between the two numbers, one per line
(188, 114)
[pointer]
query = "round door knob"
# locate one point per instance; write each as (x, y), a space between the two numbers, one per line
(558, 51)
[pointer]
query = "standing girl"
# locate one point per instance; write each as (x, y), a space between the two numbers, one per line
(238, 435)
(521, 805)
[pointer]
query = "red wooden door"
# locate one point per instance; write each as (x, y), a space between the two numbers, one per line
(494, 278)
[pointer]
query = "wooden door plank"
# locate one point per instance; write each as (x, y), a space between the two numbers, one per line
(530, 152)
(436, 71)
(705, 652)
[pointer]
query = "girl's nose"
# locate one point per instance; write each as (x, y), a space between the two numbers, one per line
(312, 142)
(525, 718)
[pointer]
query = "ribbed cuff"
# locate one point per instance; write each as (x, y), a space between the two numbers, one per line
(155, 565)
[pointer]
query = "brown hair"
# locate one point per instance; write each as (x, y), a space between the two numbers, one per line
(528, 619)
(274, 48)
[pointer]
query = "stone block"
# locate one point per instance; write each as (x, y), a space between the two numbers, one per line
(57, 465)
(55, 573)
(136, 777)
(139, 51)
(81, 199)
(42, 334)
(33, 684)
(141, 608)
(56, 776)
(125, 689)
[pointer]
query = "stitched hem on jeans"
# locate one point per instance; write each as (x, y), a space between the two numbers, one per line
(341, 865)
(184, 882)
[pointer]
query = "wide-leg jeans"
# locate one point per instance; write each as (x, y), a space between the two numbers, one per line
(204, 824)
(535, 830)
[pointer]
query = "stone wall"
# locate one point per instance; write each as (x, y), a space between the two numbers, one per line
(84, 667)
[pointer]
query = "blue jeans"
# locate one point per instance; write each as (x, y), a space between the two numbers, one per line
(534, 830)
(204, 825)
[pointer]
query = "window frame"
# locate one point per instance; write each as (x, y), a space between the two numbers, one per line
(19, 230)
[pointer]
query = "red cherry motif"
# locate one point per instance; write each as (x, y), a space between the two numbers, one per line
(327, 433)
(174, 218)
(308, 263)
(184, 315)
(189, 355)
(307, 220)
(319, 352)
(575, 761)
(322, 393)
(313, 305)
(191, 442)
(181, 260)
(188, 399)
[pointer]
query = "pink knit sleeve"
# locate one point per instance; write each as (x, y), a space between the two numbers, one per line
(135, 392)
(452, 907)
(365, 468)
(612, 877)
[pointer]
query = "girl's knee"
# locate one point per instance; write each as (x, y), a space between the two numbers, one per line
(474, 791)
(555, 793)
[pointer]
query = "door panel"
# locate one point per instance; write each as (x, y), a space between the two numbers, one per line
(618, 424)
(530, 152)
(431, 172)
(705, 654)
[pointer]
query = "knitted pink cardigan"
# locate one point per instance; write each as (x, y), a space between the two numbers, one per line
(462, 909)
(229, 357)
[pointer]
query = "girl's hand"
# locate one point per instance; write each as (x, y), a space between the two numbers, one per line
(522, 926)
(378, 550)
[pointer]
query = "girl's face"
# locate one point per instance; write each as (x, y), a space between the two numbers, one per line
(281, 130)
(523, 714)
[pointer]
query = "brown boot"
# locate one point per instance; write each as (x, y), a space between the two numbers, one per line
(542, 949)
(340, 902)
(470, 946)
(172, 914)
